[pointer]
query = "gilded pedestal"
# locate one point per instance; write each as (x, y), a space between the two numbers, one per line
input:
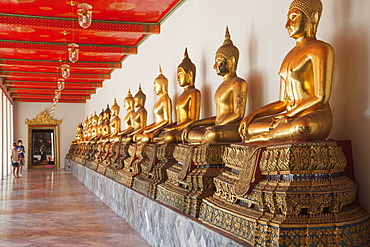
(288, 195)
(154, 169)
(191, 179)
(132, 165)
(118, 161)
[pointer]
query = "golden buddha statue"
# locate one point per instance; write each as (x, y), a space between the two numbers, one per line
(139, 117)
(129, 104)
(230, 99)
(100, 123)
(79, 132)
(302, 112)
(106, 122)
(115, 121)
(188, 103)
(162, 111)
(94, 125)
(85, 127)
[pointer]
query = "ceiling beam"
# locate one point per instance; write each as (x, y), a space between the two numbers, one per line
(17, 74)
(56, 64)
(65, 24)
(49, 97)
(29, 91)
(47, 101)
(60, 47)
(51, 85)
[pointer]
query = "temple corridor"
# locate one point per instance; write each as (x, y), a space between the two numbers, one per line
(52, 208)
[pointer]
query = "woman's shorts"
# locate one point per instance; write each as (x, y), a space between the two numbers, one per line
(15, 164)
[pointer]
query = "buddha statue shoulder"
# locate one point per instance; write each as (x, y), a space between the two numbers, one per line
(187, 105)
(230, 99)
(162, 111)
(302, 112)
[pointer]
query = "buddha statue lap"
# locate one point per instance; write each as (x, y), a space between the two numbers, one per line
(230, 99)
(302, 112)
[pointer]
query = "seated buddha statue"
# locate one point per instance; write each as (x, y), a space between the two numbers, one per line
(106, 122)
(302, 112)
(139, 117)
(94, 125)
(230, 98)
(100, 123)
(85, 127)
(162, 111)
(187, 105)
(115, 121)
(129, 105)
(79, 132)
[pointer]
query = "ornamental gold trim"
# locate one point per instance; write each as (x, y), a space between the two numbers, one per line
(43, 119)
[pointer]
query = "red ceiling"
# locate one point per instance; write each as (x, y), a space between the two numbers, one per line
(34, 35)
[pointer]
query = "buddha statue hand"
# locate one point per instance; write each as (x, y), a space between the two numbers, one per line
(279, 119)
(243, 127)
(185, 132)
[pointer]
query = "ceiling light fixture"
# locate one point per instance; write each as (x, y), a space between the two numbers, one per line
(73, 52)
(60, 84)
(65, 71)
(57, 94)
(84, 15)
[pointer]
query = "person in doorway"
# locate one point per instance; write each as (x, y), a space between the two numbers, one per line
(14, 159)
(21, 152)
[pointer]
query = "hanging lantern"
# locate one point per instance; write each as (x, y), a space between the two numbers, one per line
(57, 95)
(60, 83)
(84, 15)
(73, 52)
(65, 71)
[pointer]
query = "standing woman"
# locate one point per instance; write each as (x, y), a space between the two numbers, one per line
(21, 152)
(14, 159)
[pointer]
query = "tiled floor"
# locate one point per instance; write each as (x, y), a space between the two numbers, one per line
(52, 208)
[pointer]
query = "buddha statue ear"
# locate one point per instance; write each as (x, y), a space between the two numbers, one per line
(232, 64)
(191, 77)
(314, 21)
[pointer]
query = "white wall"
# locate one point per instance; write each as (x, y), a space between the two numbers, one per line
(257, 29)
(70, 114)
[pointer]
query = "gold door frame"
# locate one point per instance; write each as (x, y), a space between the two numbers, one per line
(43, 122)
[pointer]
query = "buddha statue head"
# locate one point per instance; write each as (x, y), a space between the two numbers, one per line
(139, 98)
(227, 57)
(186, 71)
(115, 109)
(160, 84)
(308, 12)
(129, 102)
